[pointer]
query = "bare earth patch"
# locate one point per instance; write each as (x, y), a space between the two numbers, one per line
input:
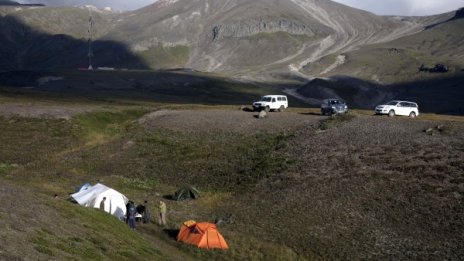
(223, 120)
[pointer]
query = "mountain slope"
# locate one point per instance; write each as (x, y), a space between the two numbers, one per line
(399, 60)
(379, 72)
(262, 39)
(244, 37)
(46, 37)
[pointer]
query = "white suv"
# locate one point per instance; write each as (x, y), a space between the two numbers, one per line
(271, 102)
(404, 108)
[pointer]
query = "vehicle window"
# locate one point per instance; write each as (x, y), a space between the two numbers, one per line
(284, 98)
(266, 99)
(404, 104)
(279, 98)
(392, 103)
(414, 105)
(273, 100)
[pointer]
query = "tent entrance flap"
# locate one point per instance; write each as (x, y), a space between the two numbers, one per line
(185, 193)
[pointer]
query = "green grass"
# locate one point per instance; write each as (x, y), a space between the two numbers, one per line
(64, 153)
(102, 237)
(26, 140)
(222, 161)
(165, 57)
(107, 124)
(6, 168)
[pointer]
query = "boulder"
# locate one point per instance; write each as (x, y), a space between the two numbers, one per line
(262, 114)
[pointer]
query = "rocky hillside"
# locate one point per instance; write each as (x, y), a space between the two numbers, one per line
(404, 68)
(51, 37)
(244, 37)
(237, 37)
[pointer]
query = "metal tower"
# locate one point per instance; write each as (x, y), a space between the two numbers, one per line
(90, 31)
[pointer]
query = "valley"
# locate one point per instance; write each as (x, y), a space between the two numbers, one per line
(168, 104)
(306, 186)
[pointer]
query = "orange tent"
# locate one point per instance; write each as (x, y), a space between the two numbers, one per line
(202, 235)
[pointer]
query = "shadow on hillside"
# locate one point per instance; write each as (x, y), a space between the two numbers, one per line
(136, 85)
(443, 95)
(23, 47)
(172, 233)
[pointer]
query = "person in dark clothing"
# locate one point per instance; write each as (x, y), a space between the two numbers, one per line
(131, 211)
(127, 212)
(102, 204)
(146, 215)
(140, 210)
(144, 212)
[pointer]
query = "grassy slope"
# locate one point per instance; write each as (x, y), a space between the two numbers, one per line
(60, 20)
(54, 156)
(55, 228)
(348, 188)
(160, 57)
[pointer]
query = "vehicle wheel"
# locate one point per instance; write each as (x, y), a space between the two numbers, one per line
(412, 115)
(267, 109)
(282, 108)
(391, 113)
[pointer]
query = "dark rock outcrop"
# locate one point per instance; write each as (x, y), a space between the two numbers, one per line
(253, 27)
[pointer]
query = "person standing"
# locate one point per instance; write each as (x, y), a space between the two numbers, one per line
(162, 213)
(131, 214)
(102, 204)
(146, 215)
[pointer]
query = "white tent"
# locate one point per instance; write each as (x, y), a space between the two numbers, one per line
(115, 203)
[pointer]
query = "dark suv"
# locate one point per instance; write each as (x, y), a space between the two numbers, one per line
(333, 106)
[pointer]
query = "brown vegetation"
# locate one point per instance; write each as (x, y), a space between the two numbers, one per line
(291, 186)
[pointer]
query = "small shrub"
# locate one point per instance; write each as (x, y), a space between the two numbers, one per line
(335, 120)
(6, 168)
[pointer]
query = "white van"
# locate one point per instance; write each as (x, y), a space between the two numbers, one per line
(271, 102)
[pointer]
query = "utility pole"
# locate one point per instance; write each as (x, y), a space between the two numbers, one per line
(90, 31)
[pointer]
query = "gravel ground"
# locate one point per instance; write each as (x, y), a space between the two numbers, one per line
(223, 120)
